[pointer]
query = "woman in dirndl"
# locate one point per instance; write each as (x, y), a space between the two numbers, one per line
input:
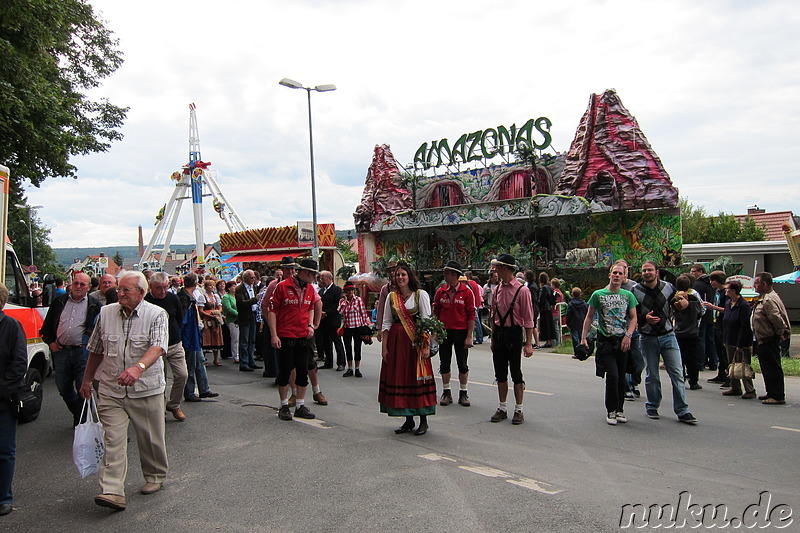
(211, 312)
(407, 387)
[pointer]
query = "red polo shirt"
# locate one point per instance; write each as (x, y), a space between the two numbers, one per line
(455, 308)
(291, 306)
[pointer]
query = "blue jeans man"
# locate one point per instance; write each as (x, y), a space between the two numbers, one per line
(196, 367)
(69, 363)
(667, 347)
(478, 327)
(247, 345)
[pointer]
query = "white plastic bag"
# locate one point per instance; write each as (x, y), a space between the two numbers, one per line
(88, 446)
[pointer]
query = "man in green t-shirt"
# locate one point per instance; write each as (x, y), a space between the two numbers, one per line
(616, 310)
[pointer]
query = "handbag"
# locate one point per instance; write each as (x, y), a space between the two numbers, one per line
(740, 371)
(88, 445)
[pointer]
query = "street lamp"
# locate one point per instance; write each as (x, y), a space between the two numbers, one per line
(286, 82)
(30, 224)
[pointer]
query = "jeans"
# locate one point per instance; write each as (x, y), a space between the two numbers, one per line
(8, 451)
(478, 327)
(575, 335)
(247, 344)
(69, 365)
(667, 347)
(196, 367)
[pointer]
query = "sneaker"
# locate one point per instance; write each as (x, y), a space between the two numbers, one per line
(303, 412)
(621, 418)
(358, 373)
(292, 400)
(636, 393)
(498, 416)
(463, 399)
(629, 396)
(348, 373)
(518, 418)
(688, 418)
(284, 413)
(447, 398)
(611, 418)
(320, 398)
(652, 413)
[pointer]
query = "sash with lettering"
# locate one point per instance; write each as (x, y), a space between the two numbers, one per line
(411, 330)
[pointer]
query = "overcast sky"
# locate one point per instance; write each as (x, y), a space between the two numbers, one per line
(714, 86)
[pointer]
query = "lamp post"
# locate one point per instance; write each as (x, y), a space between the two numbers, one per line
(30, 224)
(286, 82)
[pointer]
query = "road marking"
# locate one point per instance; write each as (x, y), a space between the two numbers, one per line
(526, 390)
(786, 429)
(314, 422)
(486, 471)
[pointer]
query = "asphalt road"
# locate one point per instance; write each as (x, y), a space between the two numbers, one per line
(234, 466)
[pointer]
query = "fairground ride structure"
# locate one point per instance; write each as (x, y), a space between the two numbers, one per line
(192, 176)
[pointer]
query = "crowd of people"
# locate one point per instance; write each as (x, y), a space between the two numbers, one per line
(113, 338)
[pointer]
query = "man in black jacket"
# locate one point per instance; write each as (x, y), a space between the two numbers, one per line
(66, 329)
(13, 363)
(327, 336)
(706, 349)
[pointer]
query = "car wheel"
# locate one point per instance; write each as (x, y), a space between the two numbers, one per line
(33, 381)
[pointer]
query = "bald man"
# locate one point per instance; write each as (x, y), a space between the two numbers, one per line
(106, 282)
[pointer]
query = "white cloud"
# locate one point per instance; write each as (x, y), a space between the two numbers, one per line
(712, 84)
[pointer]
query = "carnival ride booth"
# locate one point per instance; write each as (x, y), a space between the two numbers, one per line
(262, 249)
(570, 214)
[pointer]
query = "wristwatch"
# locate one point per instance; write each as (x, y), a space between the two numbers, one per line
(141, 365)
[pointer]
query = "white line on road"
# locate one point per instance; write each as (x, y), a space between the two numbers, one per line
(786, 429)
(519, 481)
(314, 422)
(526, 390)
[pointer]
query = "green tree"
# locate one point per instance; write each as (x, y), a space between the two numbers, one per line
(18, 231)
(51, 52)
(343, 244)
(699, 227)
(117, 258)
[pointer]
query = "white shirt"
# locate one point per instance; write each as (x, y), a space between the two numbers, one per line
(424, 308)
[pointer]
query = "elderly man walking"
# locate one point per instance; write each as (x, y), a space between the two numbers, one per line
(127, 345)
(176, 357)
(770, 326)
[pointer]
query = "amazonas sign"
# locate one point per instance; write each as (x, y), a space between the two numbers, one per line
(484, 144)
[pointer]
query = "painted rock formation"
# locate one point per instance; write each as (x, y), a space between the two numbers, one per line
(383, 194)
(610, 160)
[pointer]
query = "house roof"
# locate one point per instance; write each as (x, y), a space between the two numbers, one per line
(772, 222)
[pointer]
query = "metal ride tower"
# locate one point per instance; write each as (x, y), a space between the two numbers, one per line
(192, 177)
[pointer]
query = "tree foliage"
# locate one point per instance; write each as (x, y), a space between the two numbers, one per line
(51, 52)
(343, 244)
(699, 227)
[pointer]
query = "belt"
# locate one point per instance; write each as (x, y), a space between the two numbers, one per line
(72, 347)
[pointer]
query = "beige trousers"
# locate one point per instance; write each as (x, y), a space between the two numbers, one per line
(147, 416)
(176, 358)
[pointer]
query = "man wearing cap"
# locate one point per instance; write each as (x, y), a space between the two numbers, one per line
(390, 268)
(512, 311)
(294, 315)
(454, 305)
